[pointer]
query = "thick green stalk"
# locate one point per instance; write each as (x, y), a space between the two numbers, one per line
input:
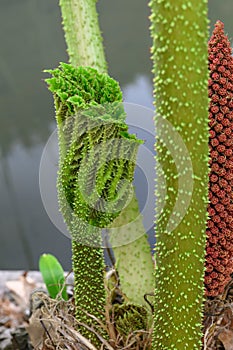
(133, 254)
(179, 32)
(84, 44)
(82, 33)
(84, 41)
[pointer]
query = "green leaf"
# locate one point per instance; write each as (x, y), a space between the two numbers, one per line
(53, 275)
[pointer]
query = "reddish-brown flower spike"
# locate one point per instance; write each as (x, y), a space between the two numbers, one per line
(220, 209)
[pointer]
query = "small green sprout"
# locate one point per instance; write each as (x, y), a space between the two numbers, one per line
(53, 276)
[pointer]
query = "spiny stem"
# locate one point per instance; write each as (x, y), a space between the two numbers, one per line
(133, 254)
(82, 33)
(84, 41)
(179, 32)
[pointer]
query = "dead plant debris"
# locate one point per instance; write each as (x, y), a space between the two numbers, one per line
(218, 321)
(52, 324)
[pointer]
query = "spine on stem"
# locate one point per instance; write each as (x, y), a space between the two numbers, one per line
(180, 58)
(82, 34)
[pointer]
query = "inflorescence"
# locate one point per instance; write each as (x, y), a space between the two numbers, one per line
(219, 250)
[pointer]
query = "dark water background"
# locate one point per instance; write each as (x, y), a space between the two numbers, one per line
(31, 40)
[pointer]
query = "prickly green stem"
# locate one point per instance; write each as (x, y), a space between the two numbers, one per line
(179, 32)
(88, 268)
(84, 41)
(82, 33)
(132, 253)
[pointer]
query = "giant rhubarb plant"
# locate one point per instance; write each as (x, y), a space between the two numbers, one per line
(179, 33)
(219, 250)
(89, 114)
(84, 43)
(96, 165)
